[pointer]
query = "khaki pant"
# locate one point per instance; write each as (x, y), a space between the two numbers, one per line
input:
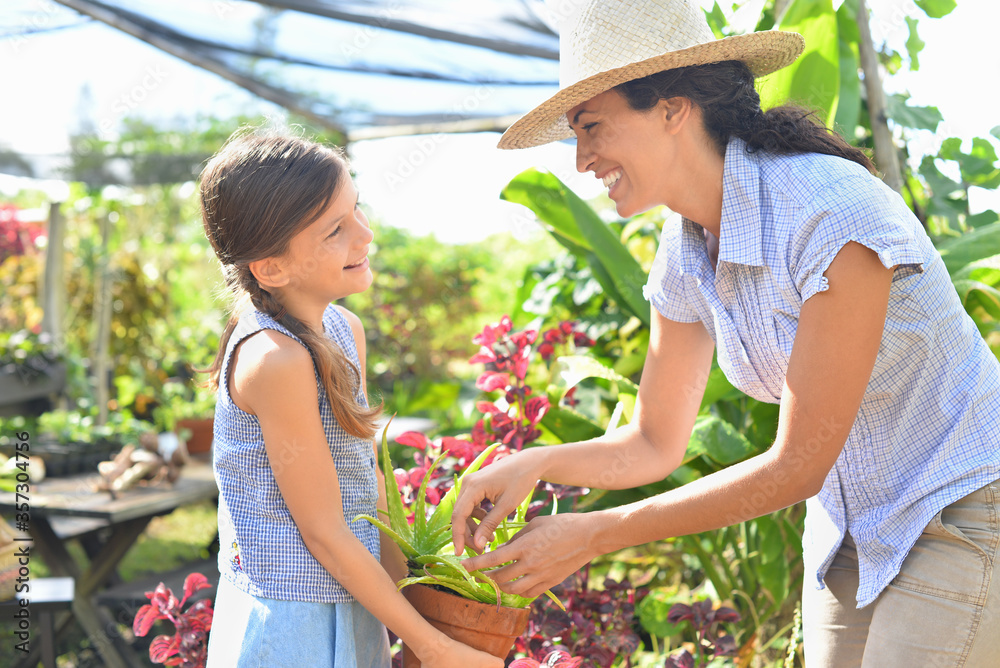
(943, 609)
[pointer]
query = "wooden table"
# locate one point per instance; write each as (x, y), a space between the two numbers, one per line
(125, 518)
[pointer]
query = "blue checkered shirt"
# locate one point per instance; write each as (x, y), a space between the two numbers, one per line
(928, 430)
(262, 551)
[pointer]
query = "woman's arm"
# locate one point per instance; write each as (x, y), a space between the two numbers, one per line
(278, 385)
(646, 450)
(835, 348)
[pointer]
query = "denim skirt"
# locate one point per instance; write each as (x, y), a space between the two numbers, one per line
(250, 632)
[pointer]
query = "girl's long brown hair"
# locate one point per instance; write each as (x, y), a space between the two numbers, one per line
(257, 192)
(730, 107)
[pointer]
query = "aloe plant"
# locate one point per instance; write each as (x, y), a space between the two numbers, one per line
(425, 541)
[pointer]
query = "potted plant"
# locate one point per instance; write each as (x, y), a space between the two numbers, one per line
(188, 411)
(469, 607)
(31, 370)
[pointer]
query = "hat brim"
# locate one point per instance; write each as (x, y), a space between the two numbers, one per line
(763, 52)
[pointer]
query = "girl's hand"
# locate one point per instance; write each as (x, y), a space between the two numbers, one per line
(448, 653)
(506, 483)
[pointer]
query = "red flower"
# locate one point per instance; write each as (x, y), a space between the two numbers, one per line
(414, 439)
(479, 433)
(535, 409)
(491, 333)
(524, 339)
(460, 448)
(521, 365)
(491, 380)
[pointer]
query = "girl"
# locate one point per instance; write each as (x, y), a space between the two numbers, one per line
(294, 458)
(822, 293)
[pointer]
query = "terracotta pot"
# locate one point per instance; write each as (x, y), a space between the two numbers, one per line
(476, 624)
(201, 434)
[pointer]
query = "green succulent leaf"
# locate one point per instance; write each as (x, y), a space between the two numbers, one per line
(404, 544)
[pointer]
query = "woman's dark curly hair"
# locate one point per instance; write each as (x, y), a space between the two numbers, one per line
(730, 107)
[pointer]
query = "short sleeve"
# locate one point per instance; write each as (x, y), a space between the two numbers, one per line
(863, 210)
(665, 289)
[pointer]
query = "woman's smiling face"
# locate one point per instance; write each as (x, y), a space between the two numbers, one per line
(630, 151)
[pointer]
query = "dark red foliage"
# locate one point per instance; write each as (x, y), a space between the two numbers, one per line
(188, 647)
(555, 659)
(565, 332)
(705, 620)
(597, 626)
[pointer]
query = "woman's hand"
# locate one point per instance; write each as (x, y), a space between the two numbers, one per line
(544, 553)
(506, 483)
(448, 653)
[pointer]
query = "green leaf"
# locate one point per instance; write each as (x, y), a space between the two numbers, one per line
(653, 611)
(936, 8)
(539, 191)
(420, 532)
(569, 426)
(986, 270)
(771, 539)
(773, 576)
(404, 545)
(394, 500)
(813, 80)
(624, 270)
(717, 440)
(718, 387)
(977, 284)
(974, 294)
(978, 167)
(947, 197)
(716, 21)
(918, 118)
(574, 369)
(982, 219)
(849, 104)
(575, 225)
(914, 44)
(981, 243)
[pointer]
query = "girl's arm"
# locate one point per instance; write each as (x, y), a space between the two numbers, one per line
(648, 449)
(835, 348)
(390, 555)
(274, 379)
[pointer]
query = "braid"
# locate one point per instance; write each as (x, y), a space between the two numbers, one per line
(340, 376)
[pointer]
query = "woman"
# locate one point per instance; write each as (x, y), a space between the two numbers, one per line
(821, 292)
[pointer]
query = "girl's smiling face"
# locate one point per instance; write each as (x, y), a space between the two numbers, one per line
(630, 151)
(328, 259)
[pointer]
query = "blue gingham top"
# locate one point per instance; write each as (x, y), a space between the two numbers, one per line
(928, 430)
(262, 551)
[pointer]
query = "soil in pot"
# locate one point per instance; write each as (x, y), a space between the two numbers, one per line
(479, 625)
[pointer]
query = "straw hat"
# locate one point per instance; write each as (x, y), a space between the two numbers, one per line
(609, 42)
